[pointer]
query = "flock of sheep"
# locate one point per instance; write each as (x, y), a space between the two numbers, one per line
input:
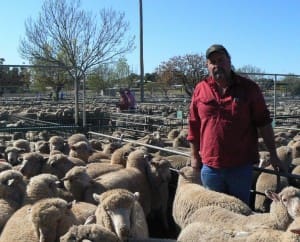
(88, 188)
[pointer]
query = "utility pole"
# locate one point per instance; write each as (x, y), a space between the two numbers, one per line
(141, 52)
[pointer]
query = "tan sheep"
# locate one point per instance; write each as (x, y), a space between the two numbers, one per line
(32, 164)
(39, 222)
(89, 232)
(57, 143)
(12, 190)
(120, 212)
(190, 196)
(73, 139)
(284, 208)
(81, 150)
(60, 164)
(81, 185)
(40, 187)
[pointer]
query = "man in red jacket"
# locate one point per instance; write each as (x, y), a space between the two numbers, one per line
(226, 112)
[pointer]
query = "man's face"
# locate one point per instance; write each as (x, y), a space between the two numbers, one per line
(219, 66)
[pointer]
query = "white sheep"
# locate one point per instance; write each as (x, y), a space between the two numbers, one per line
(120, 212)
(89, 232)
(12, 190)
(42, 221)
(40, 187)
(190, 196)
(32, 164)
(60, 164)
(81, 185)
(81, 150)
(57, 143)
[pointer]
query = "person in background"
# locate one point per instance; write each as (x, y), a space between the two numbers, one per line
(131, 99)
(123, 103)
(227, 112)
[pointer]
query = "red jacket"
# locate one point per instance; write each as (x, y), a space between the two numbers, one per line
(226, 126)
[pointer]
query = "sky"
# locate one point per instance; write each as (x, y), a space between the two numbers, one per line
(261, 33)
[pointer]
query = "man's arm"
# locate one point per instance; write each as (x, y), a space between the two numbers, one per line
(195, 156)
(267, 134)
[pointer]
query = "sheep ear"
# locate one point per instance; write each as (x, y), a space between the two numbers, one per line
(96, 197)
(70, 204)
(272, 195)
(136, 195)
(90, 220)
(295, 231)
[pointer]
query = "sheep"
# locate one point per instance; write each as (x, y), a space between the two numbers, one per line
(73, 139)
(5, 166)
(98, 156)
(60, 164)
(269, 181)
(42, 146)
(22, 144)
(89, 232)
(81, 185)
(32, 164)
(81, 150)
(96, 144)
(190, 196)
(119, 156)
(284, 208)
(12, 190)
(39, 222)
(40, 187)
(133, 177)
(120, 212)
(296, 149)
(95, 170)
(57, 143)
(173, 134)
(12, 155)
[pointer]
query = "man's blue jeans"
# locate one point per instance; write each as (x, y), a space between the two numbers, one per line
(234, 181)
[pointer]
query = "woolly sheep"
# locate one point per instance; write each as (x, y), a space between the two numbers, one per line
(40, 187)
(267, 181)
(190, 196)
(12, 190)
(133, 178)
(60, 164)
(96, 144)
(57, 143)
(119, 156)
(89, 232)
(22, 144)
(73, 139)
(284, 208)
(5, 166)
(95, 170)
(81, 150)
(120, 212)
(39, 222)
(98, 156)
(81, 185)
(42, 146)
(32, 164)
(12, 155)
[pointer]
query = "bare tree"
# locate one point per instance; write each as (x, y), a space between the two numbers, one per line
(187, 70)
(65, 35)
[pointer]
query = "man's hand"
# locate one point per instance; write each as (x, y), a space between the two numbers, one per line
(277, 164)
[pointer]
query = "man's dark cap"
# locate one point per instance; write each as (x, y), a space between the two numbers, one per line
(216, 48)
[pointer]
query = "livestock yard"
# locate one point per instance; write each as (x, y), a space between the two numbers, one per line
(49, 160)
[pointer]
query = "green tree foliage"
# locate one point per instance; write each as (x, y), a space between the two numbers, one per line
(182, 70)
